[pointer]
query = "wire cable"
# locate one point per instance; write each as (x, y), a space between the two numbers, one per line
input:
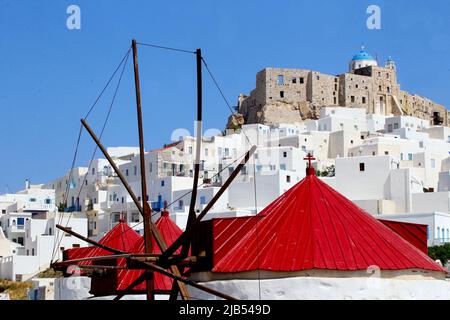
(124, 62)
(163, 47)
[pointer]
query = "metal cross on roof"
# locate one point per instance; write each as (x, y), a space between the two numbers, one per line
(309, 157)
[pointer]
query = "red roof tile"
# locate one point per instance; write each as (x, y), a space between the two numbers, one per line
(121, 237)
(312, 226)
(414, 233)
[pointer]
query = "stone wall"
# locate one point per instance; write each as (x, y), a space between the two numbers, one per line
(291, 95)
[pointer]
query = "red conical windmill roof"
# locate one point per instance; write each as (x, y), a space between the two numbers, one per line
(121, 237)
(170, 232)
(312, 226)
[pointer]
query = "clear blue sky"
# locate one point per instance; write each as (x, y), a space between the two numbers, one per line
(49, 75)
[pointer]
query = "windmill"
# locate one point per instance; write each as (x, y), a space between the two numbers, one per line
(173, 259)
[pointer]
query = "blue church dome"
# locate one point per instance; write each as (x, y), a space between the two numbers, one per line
(362, 55)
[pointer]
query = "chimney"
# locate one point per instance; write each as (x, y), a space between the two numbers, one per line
(27, 184)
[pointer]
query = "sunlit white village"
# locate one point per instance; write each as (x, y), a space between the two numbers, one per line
(345, 192)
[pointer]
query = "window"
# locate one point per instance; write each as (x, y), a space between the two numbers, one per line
(150, 165)
(389, 127)
(396, 125)
(180, 204)
(388, 89)
(302, 80)
(386, 153)
(410, 156)
(135, 170)
(281, 94)
(280, 80)
(352, 98)
(438, 231)
(206, 152)
(294, 80)
(379, 88)
(20, 221)
(258, 168)
(318, 77)
(351, 141)
(362, 167)
(202, 200)
(288, 179)
(93, 171)
(190, 150)
(219, 151)
(433, 163)
(162, 183)
(227, 152)
(363, 99)
(123, 199)
(32, 199)
(282, 166)
(401, 156)
(284, 154)
(126, 172)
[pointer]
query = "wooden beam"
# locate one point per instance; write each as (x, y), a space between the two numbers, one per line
(95, 243)
(156, 234)
(147, 210)
(185, 236)
(189, 282)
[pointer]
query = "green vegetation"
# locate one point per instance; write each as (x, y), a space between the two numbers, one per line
(440, 252)
(62, 206)
(16, 290)
(326, 172)
(50, 273)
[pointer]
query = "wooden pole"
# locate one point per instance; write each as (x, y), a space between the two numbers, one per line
(156, 234)
(198, 140)
(145, 206)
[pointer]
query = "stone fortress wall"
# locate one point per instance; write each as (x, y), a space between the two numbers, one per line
(292, 95)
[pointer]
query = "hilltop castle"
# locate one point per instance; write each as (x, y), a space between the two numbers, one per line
(291, 95)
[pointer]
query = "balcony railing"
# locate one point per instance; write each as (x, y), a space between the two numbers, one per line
(74, 208)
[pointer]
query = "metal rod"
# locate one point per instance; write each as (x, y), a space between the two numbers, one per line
(189, 282)
(187, 233)
(192, 214)
(157, 235)
(198, 139)
(145, 206)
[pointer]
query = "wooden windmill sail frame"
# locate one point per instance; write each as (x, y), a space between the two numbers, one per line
(149, 261)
